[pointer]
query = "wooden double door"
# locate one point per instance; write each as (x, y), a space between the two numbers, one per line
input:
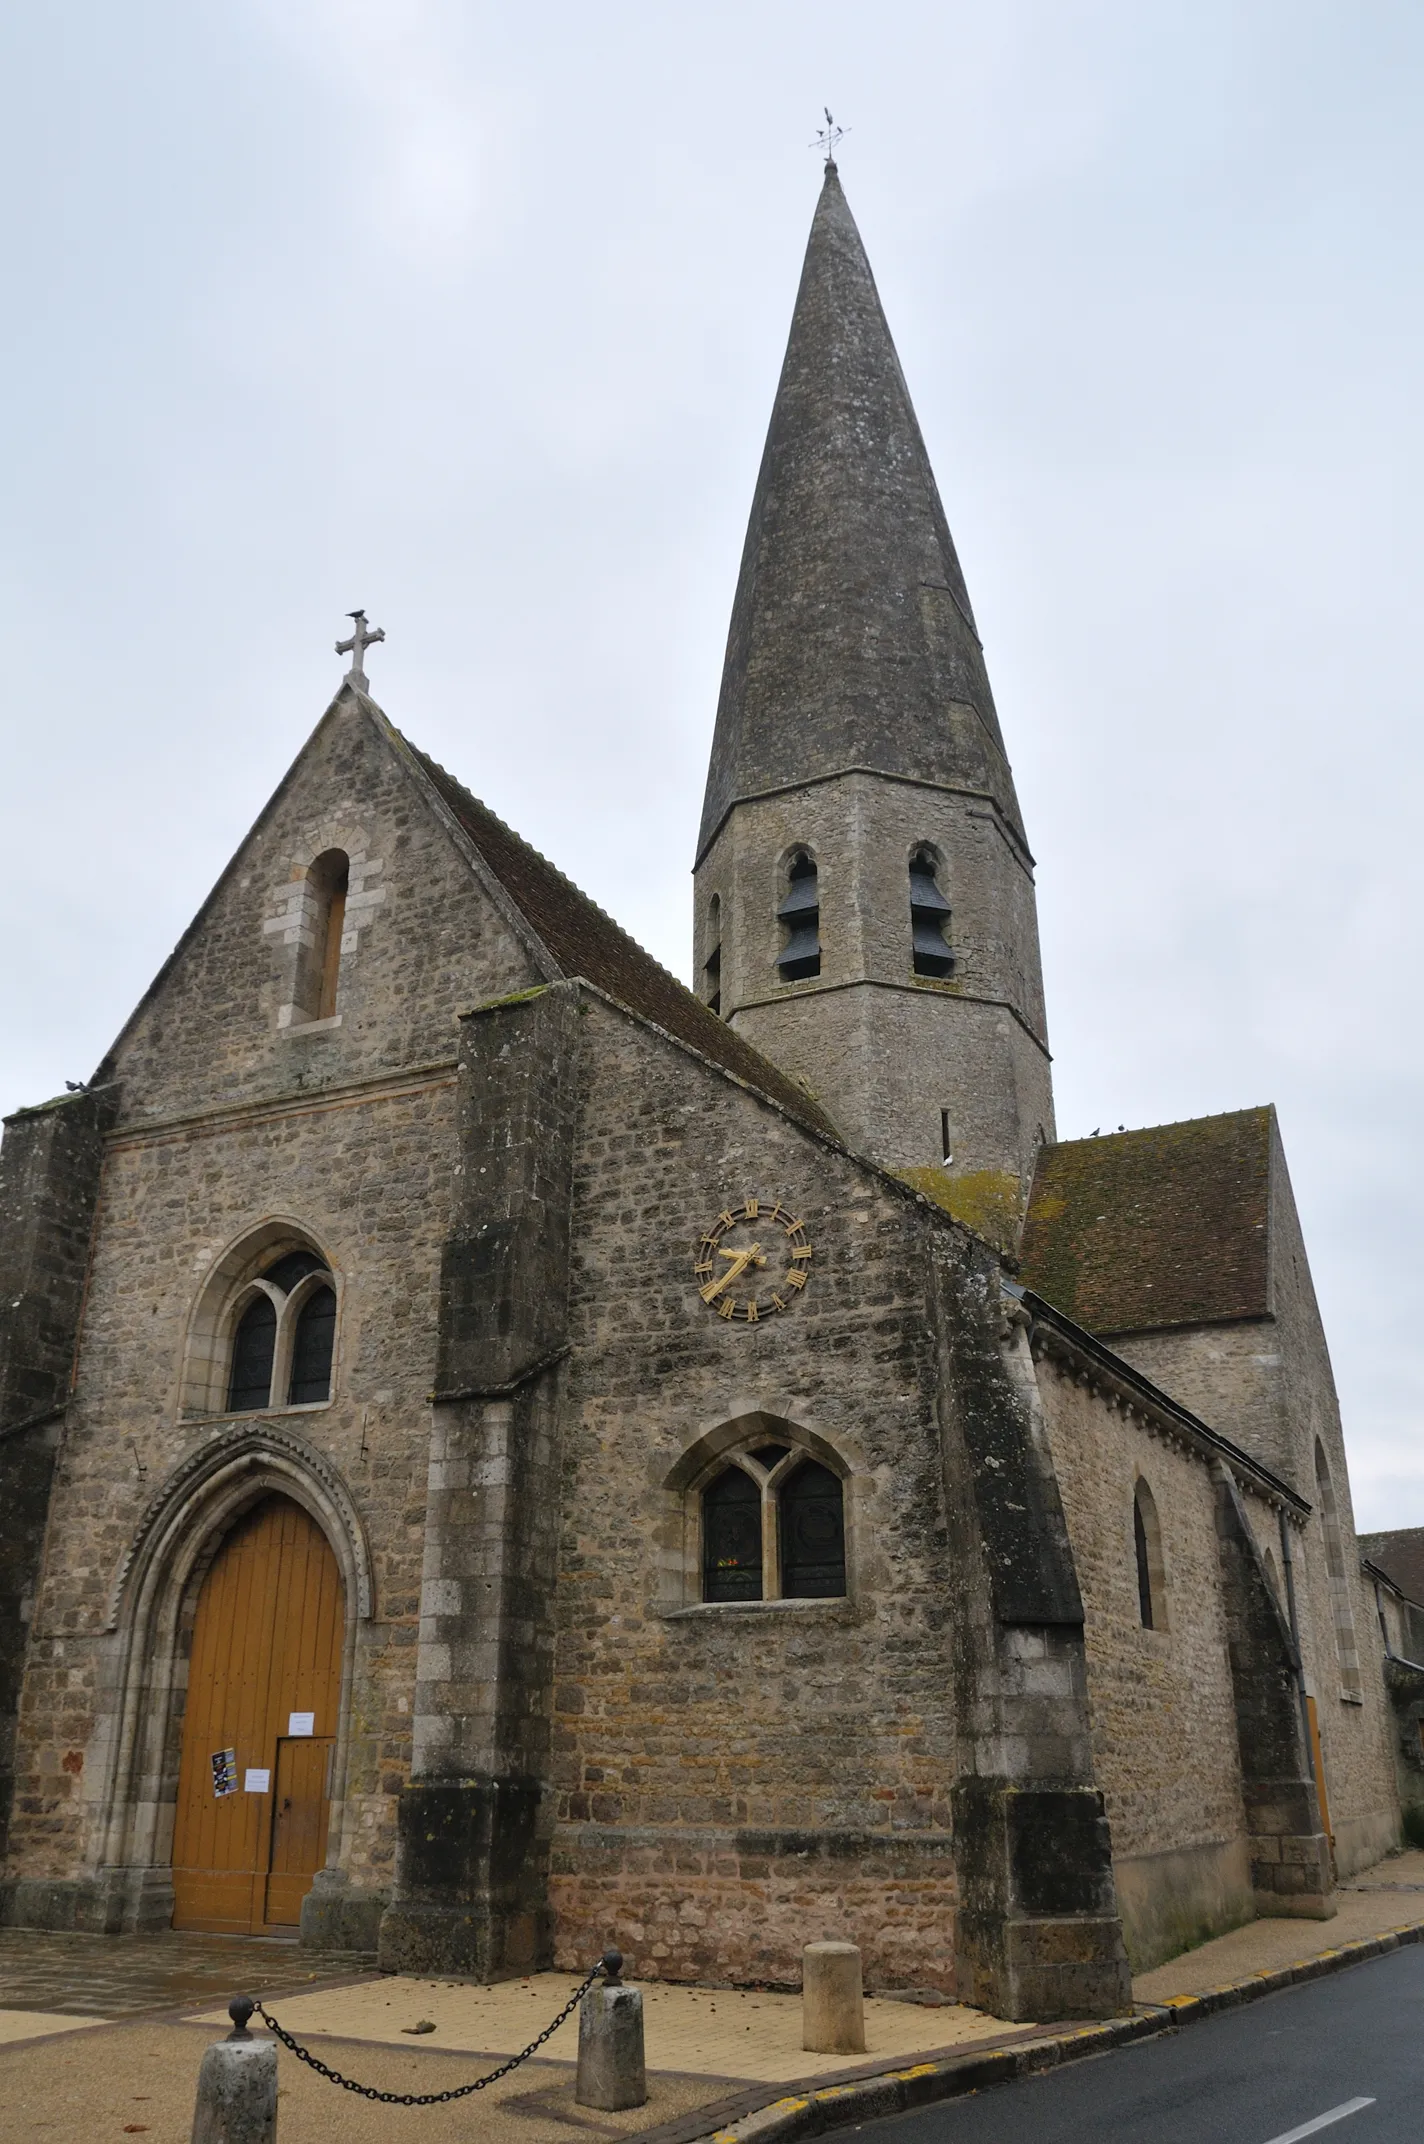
(264, 1687)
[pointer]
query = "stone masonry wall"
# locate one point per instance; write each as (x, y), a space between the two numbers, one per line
(1268, 1385)
(1164, 1730)
(887, 1060)
(230, 1122)
(50, 1164)
(368, 1177)
(734, 1781)
(428, 943)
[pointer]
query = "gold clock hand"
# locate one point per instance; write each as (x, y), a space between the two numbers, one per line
(740, 1260)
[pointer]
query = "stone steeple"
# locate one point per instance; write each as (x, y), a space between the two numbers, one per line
(859, 799)
(852, 640)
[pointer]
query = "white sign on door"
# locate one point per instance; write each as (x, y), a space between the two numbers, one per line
(256, 1781)
(301, 1723)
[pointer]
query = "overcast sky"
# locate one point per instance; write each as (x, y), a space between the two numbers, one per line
(472, 314)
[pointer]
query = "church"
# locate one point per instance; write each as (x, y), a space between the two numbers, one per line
(504, 1453)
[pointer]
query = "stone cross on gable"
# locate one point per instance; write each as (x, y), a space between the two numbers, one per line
(357, 645)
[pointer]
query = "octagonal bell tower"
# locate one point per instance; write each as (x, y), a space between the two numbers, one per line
(864, 896)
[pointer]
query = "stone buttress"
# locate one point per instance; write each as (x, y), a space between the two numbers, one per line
(471, 1894)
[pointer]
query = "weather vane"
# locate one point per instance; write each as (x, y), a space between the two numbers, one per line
(829, 139)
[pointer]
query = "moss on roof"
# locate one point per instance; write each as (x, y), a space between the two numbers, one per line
(1400, 1555)
(583, 941)
(1154, 1228)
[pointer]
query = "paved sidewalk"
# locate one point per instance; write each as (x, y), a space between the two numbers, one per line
(1391, 1895)
(693, 2032)
(709, 2051)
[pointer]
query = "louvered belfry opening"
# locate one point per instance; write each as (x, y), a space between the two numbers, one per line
(929, 918)
(800, 957)
(712, 965)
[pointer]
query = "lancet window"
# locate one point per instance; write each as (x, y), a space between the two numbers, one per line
(319, 965)
(1147, 1547)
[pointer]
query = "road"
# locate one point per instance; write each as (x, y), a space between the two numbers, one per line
(1341, 2059)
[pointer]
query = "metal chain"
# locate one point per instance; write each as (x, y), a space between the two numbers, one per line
(427, 2099)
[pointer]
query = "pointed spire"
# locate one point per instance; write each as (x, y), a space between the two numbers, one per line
(852, 642)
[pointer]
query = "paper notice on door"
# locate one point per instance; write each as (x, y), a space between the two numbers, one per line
(301, 1723)
(256, 1780)
(224, 1763)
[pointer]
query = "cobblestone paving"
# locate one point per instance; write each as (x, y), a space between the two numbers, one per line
(119, 1976)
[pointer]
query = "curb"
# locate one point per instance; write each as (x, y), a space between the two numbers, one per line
(810, 2113)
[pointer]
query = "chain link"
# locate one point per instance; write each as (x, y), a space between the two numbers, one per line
(426, 2099)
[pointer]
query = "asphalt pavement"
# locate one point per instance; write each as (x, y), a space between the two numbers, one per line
(1341, 2059)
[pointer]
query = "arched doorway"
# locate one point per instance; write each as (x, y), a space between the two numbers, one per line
(264, 1689)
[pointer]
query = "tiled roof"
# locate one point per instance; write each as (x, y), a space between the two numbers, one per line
(583, 941)
(1146, 1229)
(1400, 1556)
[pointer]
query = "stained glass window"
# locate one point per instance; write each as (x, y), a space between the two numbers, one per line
(731, 1538)
(812, 1534)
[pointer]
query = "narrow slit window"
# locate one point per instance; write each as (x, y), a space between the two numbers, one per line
(1144, 1573)
(319, 961)
(331, 946)
(800, 912)
(1147, 1549)
(731, 1538)
(946, 1141)
(253, 1346)
(929, 918)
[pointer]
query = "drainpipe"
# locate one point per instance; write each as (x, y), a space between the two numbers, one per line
(1288, 1566)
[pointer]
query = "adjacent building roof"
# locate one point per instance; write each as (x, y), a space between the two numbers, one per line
(1400, 1556)
(1146, 1229)
(852, 641)
(583, 941)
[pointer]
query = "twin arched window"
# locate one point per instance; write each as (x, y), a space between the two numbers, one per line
(773, 1528)
(283, 1340)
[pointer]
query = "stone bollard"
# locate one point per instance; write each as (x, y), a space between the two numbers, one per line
(237, 2086)
(832, 2013)
(611, 2071)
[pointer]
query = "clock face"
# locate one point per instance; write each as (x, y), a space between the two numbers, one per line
(753, 1262)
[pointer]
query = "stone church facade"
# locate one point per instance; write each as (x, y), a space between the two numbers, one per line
(502, 1452)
